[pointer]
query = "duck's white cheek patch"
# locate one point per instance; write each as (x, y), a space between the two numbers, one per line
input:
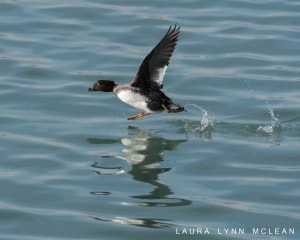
(133, 99)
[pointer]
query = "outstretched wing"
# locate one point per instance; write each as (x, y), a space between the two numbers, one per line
(152, 70)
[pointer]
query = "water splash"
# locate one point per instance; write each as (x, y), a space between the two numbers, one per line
(205, 123)
(275, 124)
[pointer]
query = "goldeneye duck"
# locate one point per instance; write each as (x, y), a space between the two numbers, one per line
(144, 91)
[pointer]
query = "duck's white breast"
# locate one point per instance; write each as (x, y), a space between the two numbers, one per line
(133, 99)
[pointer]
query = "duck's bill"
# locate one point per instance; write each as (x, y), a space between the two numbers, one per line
(91, 89)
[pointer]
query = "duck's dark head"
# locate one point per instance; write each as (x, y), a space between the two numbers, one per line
(103, 85)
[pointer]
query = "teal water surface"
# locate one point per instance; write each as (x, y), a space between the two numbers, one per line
(74, 167)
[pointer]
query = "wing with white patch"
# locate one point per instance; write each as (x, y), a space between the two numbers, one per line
(158, 75)
(153, 68)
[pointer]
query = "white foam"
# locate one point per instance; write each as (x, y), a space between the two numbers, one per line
(206, 121)
(275, 124)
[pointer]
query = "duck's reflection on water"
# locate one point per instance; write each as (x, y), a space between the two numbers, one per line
(144, 151)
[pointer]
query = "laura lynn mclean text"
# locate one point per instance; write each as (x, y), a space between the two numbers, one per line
(235, 231)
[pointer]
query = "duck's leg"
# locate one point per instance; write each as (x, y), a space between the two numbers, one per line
(170, 110)
(137, 116)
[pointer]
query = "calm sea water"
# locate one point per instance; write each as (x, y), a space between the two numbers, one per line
(72, 165)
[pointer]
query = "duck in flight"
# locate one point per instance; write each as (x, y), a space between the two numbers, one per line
(144, 92)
